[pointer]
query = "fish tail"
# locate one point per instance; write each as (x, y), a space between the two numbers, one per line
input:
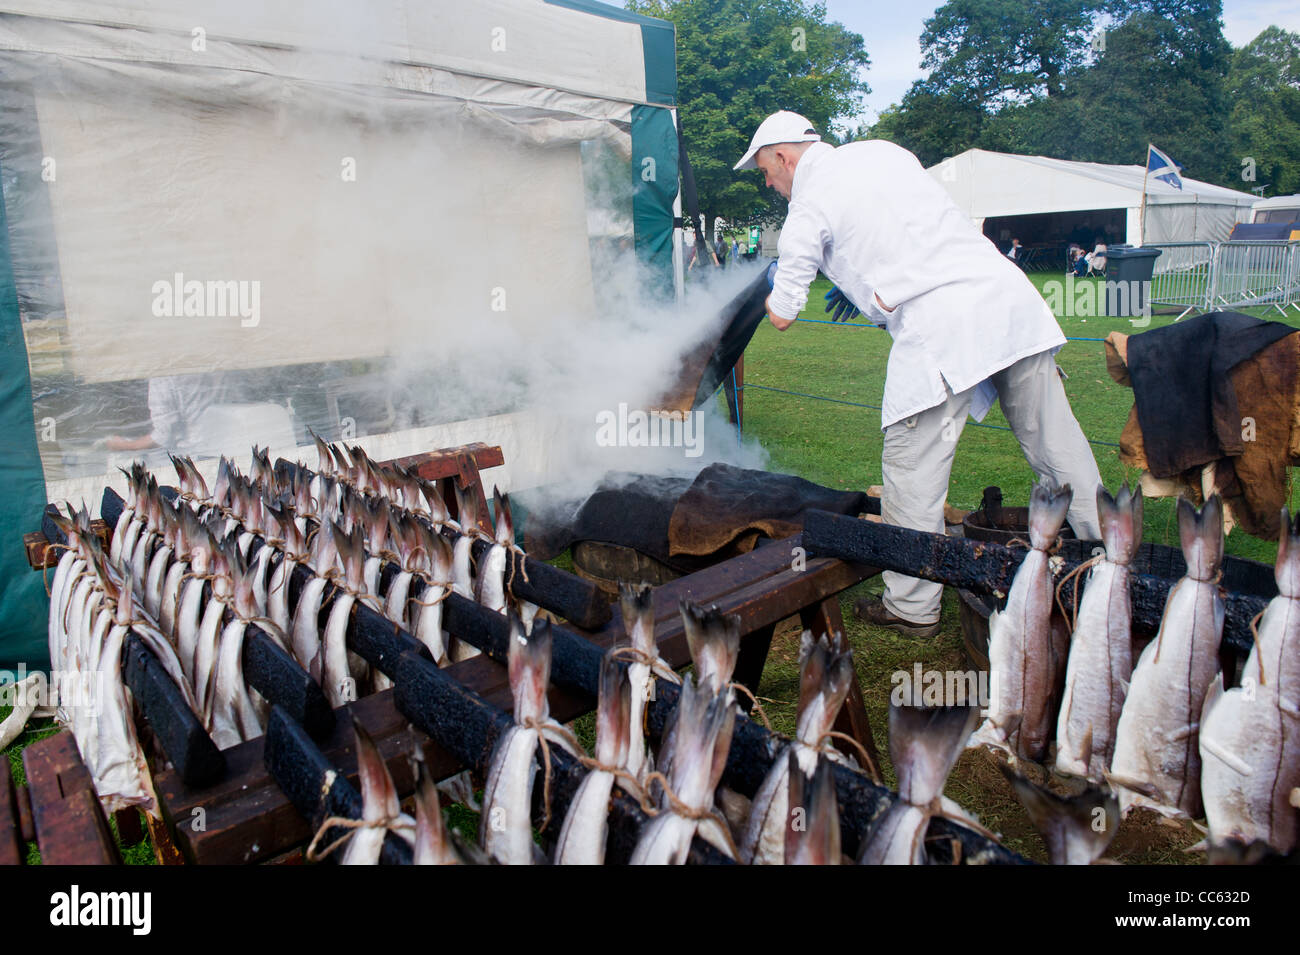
(529, 667)
(613, 713)
(505, 522)
(924, 744)
(1287, 569)
(714, 641)
(1201, 535)
(1121, 522)
(636, 603)
(378, 794)
(1048, 506)
(812, 833)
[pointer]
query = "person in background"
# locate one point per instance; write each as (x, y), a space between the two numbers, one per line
(1014, 253)
(176, 406)
(735, 250)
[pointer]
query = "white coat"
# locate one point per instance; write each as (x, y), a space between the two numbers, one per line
(877, 224)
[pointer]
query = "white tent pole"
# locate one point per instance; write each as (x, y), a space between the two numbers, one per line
(1142, 216)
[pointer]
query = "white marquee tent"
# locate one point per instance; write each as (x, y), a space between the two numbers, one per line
(293, 215)
(988, 185)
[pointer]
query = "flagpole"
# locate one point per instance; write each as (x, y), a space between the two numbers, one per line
(1142, 214)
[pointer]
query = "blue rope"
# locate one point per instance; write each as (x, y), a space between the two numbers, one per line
(736, 391)
(858, 404)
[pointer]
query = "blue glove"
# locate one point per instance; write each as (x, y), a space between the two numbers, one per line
(844, 309)
(770, 275)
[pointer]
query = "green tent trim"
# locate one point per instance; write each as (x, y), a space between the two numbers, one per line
(24, 608)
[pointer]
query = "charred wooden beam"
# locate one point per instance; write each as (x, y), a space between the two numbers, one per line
(179, 731)
(468, 726)
(753, 748)
(317, 788)
(267, 668)
(989, 568)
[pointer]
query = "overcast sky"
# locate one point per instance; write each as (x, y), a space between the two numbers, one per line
(891, 29)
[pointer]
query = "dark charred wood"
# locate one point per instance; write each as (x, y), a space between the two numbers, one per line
(317, 788)
(989, 568)
(468, 726)
(180, 733)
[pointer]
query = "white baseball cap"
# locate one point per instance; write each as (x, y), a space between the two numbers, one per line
(782, 127)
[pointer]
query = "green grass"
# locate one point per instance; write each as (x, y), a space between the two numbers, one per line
(839, 445)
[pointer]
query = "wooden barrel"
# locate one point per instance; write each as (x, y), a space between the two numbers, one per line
(607, 564)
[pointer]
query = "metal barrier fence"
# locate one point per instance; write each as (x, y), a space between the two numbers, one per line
(1207, 275)
(1250, 274)
(1183, 275)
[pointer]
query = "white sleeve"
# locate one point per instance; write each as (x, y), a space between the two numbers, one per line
(802, 246)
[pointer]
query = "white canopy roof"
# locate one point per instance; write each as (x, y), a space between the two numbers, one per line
(1003, 184)
(986, 184)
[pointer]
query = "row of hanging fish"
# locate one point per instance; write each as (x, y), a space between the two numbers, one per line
(793, 817)
(1165, 733)
(202, 567)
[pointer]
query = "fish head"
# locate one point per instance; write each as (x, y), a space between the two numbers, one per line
(1048, 506)
(529, 667)
(1076, 829)
(1201, 535)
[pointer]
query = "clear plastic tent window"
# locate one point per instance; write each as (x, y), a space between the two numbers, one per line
(207, 259)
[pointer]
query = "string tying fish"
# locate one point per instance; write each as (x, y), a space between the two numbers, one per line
(1078, 569)
(757, 705)
(45, 563)
(429, 585)
(634, 788)
(872, 769)
(352, 826)
(680, 808)
(542, 728)
(656, 664)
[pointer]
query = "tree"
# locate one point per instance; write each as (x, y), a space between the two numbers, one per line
(933, 125)
(1007, 50)
(738, 61)
(1264, 89)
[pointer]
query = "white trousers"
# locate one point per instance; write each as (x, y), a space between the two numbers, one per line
(917, 462)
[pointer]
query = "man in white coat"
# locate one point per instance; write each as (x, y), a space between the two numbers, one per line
(968, 328)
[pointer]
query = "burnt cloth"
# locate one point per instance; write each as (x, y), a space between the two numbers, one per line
(1186, 404)
(745, 312)
(690, 524)
(728, 505)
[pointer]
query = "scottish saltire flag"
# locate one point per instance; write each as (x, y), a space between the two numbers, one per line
(1160, 166)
